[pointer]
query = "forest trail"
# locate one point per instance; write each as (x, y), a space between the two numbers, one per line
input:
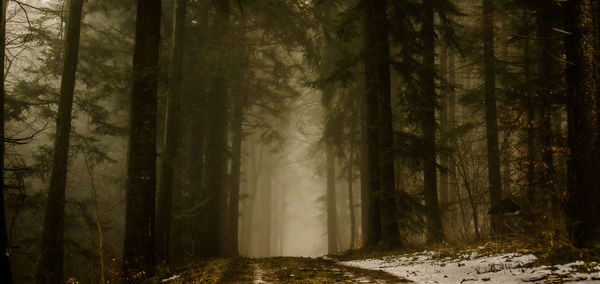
(302, 270)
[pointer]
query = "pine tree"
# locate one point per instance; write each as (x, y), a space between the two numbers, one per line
(138, 252)
(435, 232)
(491, 116)
(164, 215)
(50, 269)
(582, 90)
(5, 268)
(379, 113)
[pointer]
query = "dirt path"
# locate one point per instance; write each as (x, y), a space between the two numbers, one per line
(302, 270)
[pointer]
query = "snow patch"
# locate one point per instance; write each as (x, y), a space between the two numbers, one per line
(471, 267)
(171, 278)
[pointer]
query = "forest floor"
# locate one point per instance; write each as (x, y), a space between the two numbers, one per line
(303, 270)
(444, 265)
(277, 270)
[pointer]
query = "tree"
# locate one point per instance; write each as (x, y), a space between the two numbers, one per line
(50, 269)
(332, 238)
(216, 142)
(380, 141)
(5, 268)
(582, 91)
(491, 116)
(327, 96)
(138, 252)
(236, 167)
(164, 216)
(435, 232)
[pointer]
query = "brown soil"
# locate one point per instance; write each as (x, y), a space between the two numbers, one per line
(302, 270)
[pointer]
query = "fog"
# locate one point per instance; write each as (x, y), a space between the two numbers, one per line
(146, 138)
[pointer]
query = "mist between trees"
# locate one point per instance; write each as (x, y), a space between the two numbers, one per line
(146, 133)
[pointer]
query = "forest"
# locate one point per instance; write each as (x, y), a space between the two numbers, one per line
(299, 141)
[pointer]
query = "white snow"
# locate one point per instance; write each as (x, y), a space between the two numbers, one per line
(474, 268)
(171, 278)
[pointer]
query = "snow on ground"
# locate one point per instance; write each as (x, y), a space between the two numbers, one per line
(171, 278)
(423, 267)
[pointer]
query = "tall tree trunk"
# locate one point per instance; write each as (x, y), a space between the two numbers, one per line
(547, 80)
(216, 145)
(435, 232)
(267, 188)
(530, 127)
(331, 202)
(191, 231)
(444, 177)
(197, 193)
(351, 190)
(50, 269)
(236, 166)
(366, 228)
(5, 268)
(491, 117)
(138, 251)
(583, 181)
(252, 186)
(453, 182)
(378, 97)
(165, 193)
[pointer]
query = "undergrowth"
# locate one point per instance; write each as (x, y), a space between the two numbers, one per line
(202, 271)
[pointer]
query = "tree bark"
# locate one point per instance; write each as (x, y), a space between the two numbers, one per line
(351, 190)
(236, 166)
(491, 117)
(216, 145)
(5, 267)
(378, 99)
(267, 212)
(138, 251)
(331, 202)
(453, 181)
(548, 79)
(366, 229)
(444, 130)
(50, 269)
(165, 193)
(435, 231)
(583, 182)
(530, 128)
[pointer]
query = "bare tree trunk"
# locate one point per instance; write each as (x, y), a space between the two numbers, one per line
(377, 78)
(165, 200)
(453, 182)
(365, 199)
(548, 81)
(444, 129)
(257, 168)
(97, 219)
(216, 145)
(351, 191)
(331, 202)
(582, 87)
(50, 269)
(267, 209)
(435, 231)
(530, 127)
(138, 253)
(5, 266)
(491, 117)
(236, 166)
